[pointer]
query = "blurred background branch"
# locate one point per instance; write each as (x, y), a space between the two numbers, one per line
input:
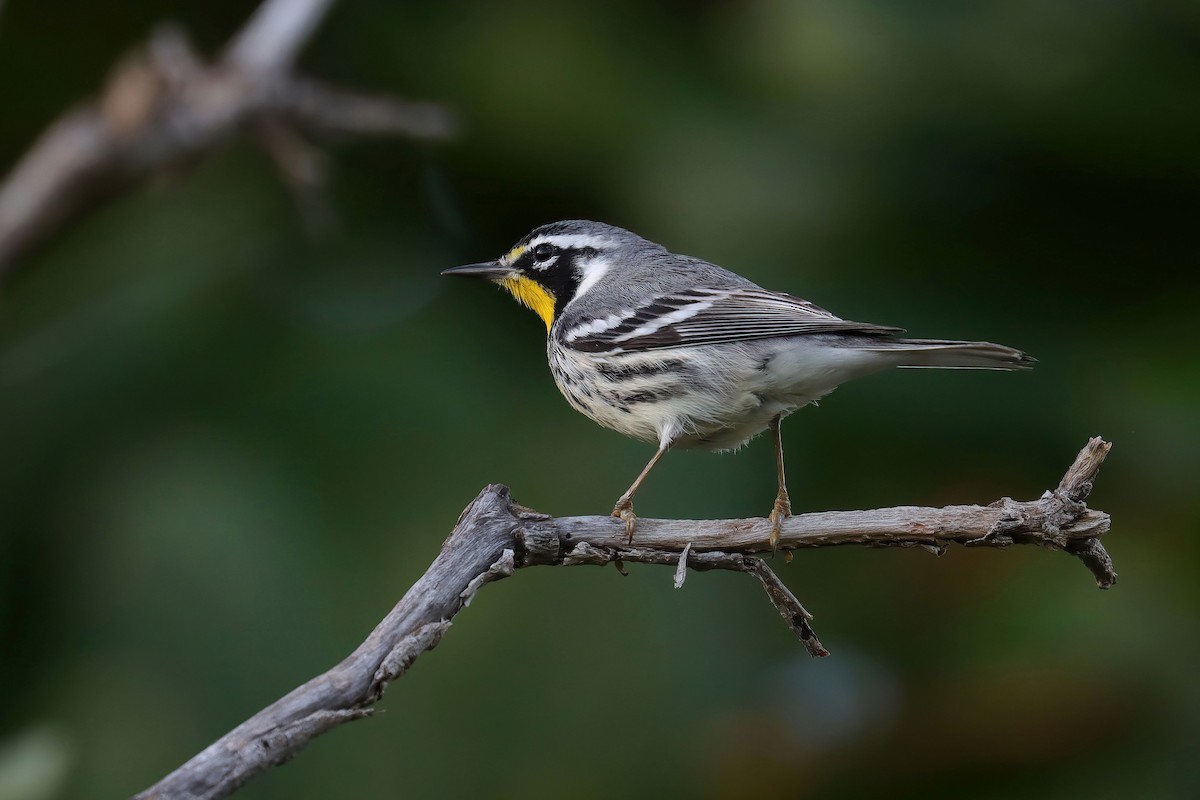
(272, 38)
(495, 536)
(163, 107)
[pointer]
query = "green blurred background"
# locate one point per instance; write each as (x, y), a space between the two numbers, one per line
(227, 448)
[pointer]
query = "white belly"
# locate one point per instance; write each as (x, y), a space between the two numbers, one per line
(715, 397)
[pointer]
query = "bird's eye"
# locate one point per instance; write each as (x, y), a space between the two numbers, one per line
(544, 251)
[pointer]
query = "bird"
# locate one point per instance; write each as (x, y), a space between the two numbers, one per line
(681, 353)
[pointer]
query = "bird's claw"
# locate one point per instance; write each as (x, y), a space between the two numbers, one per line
(623, 511)
(781, 511)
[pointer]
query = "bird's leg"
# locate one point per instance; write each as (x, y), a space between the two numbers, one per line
(623, 510)
(783, 504)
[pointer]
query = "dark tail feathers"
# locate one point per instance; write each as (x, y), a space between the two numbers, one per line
(945, 354)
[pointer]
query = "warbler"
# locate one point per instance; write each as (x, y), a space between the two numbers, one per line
(673, 350)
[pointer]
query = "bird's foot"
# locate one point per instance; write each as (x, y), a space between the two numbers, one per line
(623, 511)
(781, 511)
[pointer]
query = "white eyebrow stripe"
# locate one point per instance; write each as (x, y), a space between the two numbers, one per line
(570, 241)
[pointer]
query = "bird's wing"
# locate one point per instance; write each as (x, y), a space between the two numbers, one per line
(707, 316)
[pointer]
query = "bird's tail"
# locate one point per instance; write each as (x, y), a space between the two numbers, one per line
(947, 354)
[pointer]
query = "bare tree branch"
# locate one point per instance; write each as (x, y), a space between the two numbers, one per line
(275, 34)
(163, 107)
(495, 536)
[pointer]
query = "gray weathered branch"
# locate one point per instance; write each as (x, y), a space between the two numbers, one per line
(274, 35)
(495, 536)
(164, 107)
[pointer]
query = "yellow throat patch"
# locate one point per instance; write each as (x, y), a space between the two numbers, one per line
(531, 294)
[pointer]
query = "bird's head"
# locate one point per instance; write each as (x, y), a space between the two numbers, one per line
(554, 264)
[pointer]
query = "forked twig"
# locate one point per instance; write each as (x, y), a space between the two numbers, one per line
(164, 107)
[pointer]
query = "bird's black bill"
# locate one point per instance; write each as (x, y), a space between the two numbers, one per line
(486, 269)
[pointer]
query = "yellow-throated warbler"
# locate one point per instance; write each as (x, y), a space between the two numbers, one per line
(674, 350)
